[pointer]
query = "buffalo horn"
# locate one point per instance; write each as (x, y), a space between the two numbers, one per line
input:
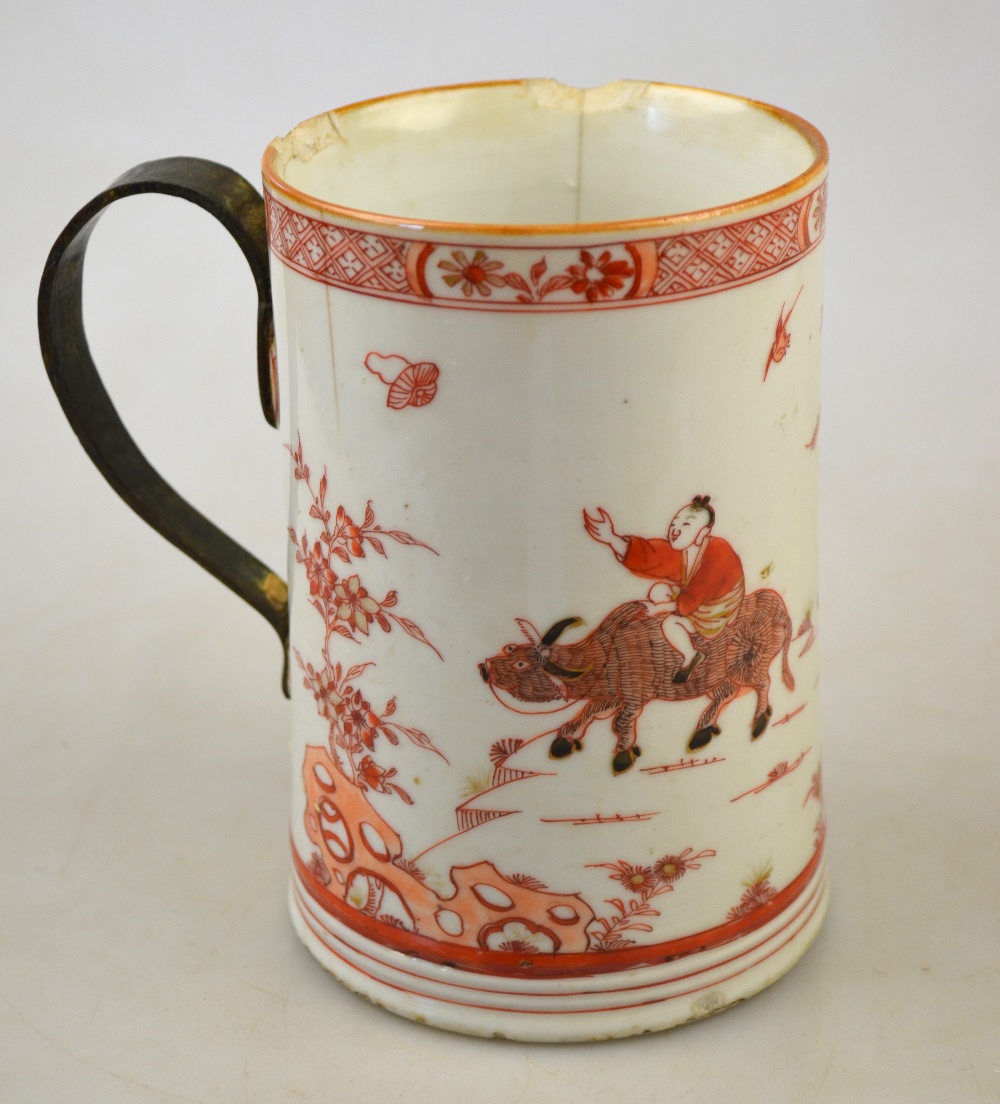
(558, 629)
(562, 672)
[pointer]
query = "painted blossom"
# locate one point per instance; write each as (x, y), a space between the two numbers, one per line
(636, 879)
(322, 578)
(347, 533)
(758, 890)
(782, 336)
(355, 605)
(598, 278)
(360, 723)
(323, 684)
(670, 868)
(372, 776)
(480, 274)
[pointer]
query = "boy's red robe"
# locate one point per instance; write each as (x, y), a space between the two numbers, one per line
(711, 596)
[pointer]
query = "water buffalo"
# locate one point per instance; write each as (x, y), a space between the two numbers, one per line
(625, 663)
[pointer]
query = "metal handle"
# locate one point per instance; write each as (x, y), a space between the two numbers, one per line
(87, 405)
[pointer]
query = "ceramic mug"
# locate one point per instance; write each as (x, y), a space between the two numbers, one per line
(552, 418)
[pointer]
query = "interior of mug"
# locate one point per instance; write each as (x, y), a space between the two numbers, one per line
(538, 152)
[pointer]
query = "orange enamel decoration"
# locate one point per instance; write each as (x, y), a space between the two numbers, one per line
(409, 384)
(555, 743)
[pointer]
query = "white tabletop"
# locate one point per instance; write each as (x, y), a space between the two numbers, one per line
(145, 951)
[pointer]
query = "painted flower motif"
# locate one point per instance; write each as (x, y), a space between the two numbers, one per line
(819, 213)
(521, 938)
(670, 868)
(318, 868)
(782, 336)
(323, 685)
(757, 892)
(372, 776)
(636, 879)
(354, 604)
(479, 274)
(322, 578)
(360, 723)
(782, 341)
(600, 278)
(346, 531)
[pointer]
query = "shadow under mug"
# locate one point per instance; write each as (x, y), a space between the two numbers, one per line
(552, 360)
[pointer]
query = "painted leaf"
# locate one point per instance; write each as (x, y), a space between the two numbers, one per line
(405, 538)
(516, 280)
(421, 739)
(356, 670)
(556, 283)
(416, 632)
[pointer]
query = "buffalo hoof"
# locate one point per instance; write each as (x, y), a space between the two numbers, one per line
(624, 759)
(703, 736)
(681, 676)
(760, 724)
(561, 747)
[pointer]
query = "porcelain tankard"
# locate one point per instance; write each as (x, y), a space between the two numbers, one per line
(552, 413)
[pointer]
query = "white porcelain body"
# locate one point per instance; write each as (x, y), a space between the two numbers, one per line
(462, 408)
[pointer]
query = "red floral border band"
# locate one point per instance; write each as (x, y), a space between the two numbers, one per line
(506, 964)
(548, 278)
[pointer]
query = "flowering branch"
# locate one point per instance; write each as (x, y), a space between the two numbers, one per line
(348, 610)
(757, 891)
(355, 726)
(344, 603)
(537, 290)
(645, 883)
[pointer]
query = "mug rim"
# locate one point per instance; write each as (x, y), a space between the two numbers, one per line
(813, 174)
